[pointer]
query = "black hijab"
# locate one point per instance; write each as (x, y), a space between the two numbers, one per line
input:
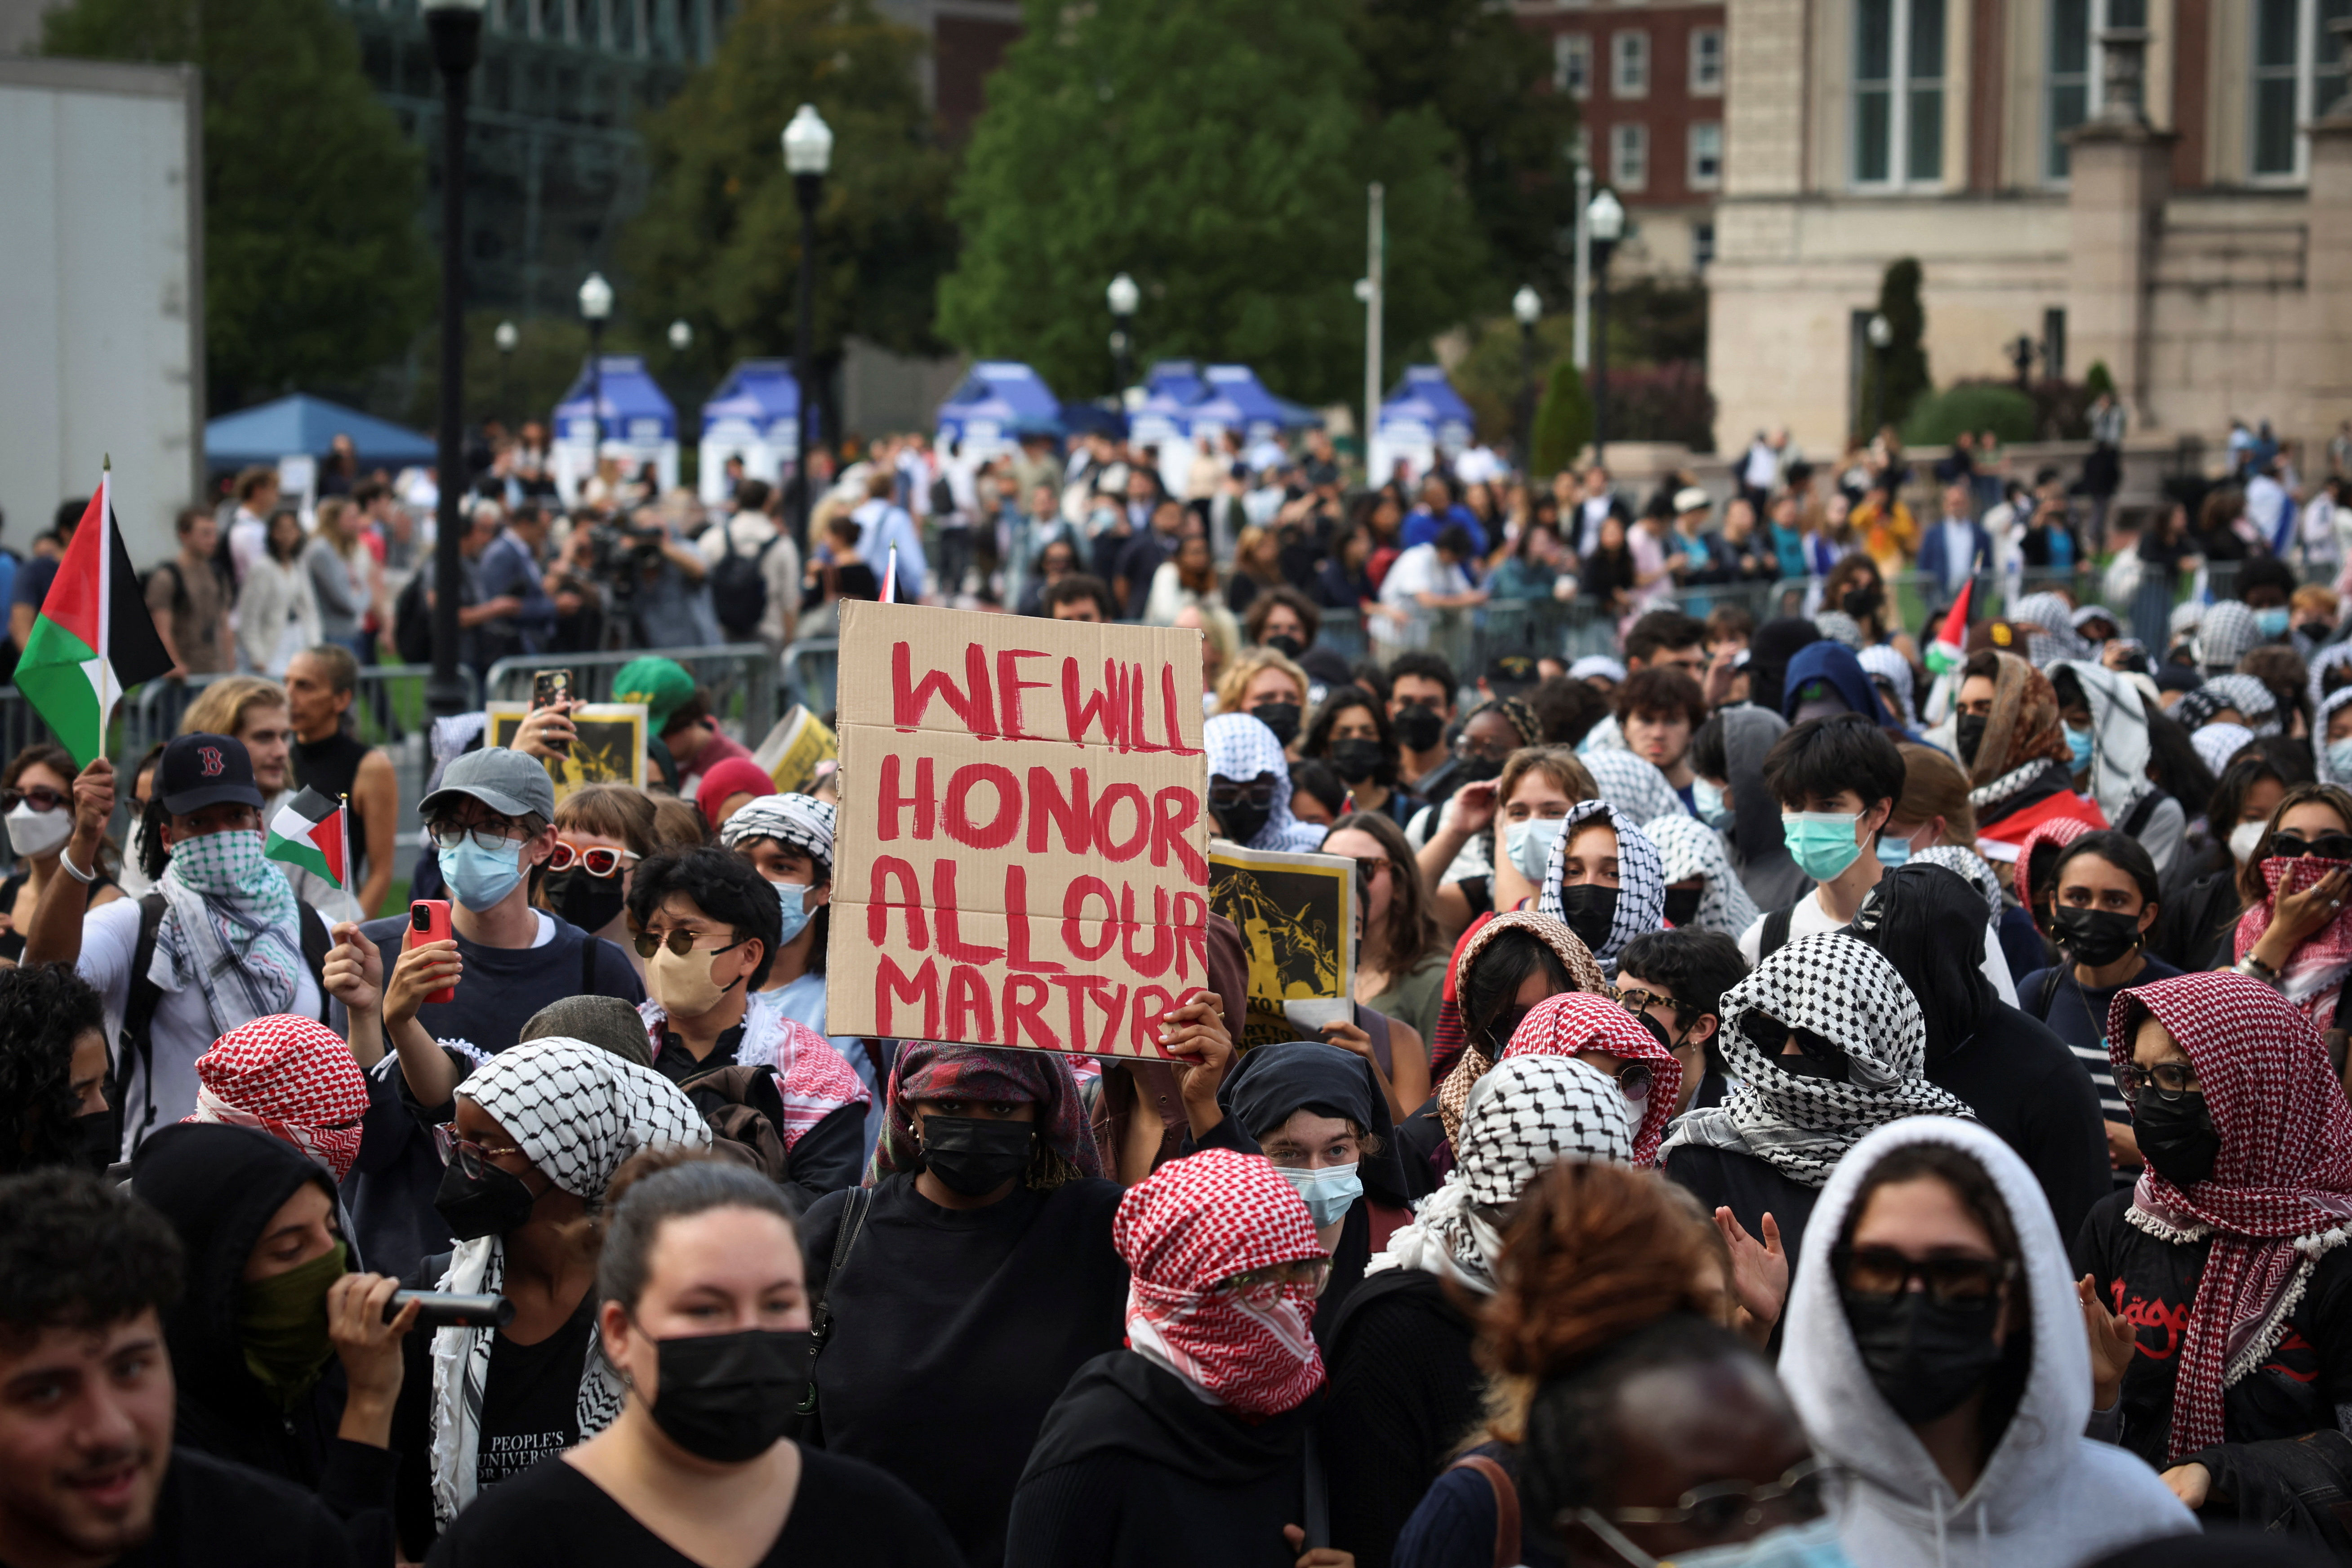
(1929, 923)
(1768, 653)
(1272, 1081)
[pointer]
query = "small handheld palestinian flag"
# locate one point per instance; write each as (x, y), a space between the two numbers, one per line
(1952, 644)
(94, 638)
(314, 833)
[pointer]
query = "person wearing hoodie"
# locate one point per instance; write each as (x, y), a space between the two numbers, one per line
(2106, 728)
(1604, 879)
(1935, 1351)
(282, 1356)
(2010, 738)
(2218, 1288)
(1728, 755)
(2018, 1076)
(1249, 786)
(1827, 678)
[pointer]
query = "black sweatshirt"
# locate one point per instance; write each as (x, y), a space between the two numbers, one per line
(953, 1333)
(2027, 1089)
(1405, 1391)
(1749, 1187)
(1132, 1468)
(213, 1514)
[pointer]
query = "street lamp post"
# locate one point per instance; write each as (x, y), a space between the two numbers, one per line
(1123, 297)
(1604, 225)
(1527, 306)
(596, 305)
(681, 336)
(808, 152)
(1882, 334)
(508, 337)
(456, 28)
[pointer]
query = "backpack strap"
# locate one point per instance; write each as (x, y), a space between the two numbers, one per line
(2137, 820)
(2050, 988)
(1775, 935)
(588, 941)
(1507, 1506)
(139, 999)
(853, 1220)
(316, 942)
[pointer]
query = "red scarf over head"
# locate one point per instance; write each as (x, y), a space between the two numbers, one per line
(1572, 1021)
(294, 1078)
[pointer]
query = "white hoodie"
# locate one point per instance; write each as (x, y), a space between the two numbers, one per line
(2049, 1496)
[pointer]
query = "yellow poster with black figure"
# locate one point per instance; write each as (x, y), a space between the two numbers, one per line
(1297, 919)
(610, 747)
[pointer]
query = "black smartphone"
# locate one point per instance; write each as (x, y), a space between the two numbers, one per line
(548, 688)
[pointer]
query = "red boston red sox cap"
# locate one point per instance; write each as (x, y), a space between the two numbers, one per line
(200, 769)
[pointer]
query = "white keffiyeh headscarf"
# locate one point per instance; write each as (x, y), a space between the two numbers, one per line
(2329, 707)
(1839, 989)
(2057, 638)
(1972, 867)
(231, 928)
(2119, 748)
(1240, 748)
(798, 821)
(2334, 656)
(1526, 1113)
(1633, 785)
(2225, 632)
(2216, 743)
(1689, 847)
(1891, 667)
(2250, 696)
(1640, 878)
(579, 1113)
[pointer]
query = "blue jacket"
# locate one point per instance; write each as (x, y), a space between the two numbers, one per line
(1836, 664)
(1421, 526)
(1934, 564)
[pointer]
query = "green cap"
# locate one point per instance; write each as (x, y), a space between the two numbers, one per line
(661, 684)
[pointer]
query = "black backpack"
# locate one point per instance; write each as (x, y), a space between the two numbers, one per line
(738, 586)
(412, 619)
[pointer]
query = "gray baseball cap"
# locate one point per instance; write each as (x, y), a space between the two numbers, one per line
(511, 783)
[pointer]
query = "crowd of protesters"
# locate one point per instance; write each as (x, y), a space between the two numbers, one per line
(1805, 1099)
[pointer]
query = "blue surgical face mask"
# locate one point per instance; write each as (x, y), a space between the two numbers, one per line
(1529, 844)
(1822, 843)
(1814, 1545)
(2079, 742)
(478, 877)
(793, 896)
(1330, 1193)
(1893, 851)
(1713, 806)
(2339, 757)
(2271, 623)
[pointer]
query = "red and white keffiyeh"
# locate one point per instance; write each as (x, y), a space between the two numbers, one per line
(2315, 972)
(1571, 1022)
(293, 1078)
(2044, 840)
(2280, 1192)
(1185, 1230)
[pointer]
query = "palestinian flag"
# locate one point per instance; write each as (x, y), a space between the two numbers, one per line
(1951, 645)
(314, 833)
(94, 637)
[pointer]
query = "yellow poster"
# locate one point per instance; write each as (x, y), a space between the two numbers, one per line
(794, 748)
(611, 747)
(1297, 919)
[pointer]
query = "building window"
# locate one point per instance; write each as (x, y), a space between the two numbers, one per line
(2075, 83)
(1702, 246)
(1899, 92)
(1629, 64)
(2297, 76)
(1572, 63)
(1629, 157)
(1706, 62)
(1706, 155)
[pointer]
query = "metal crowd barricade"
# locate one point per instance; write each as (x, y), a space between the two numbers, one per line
(812, 674)
(740, 677)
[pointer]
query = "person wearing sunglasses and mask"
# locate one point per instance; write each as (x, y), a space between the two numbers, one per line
(962, 1288)
(1249, 786)
(538, 1133)
(1936, 1354)
(2217, 1291)
(2296, 933)
(707, 926)
(703, 1314)
(37, 795)
(602, 831)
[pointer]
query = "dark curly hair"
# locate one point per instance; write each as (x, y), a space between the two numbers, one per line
(77, 1253)
(43, 1011)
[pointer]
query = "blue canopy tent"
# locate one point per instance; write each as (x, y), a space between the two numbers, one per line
(1177, 379)
(1263, 415)
(639, 424)
(302, 425)
(1093, 419)
(1424, 419)
(754, 414)
(998, 404)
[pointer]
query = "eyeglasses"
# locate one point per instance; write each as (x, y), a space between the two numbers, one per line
(485, 835)
(1309, 1271)
(1369, 867)
(1466, 747)
(1502, 1027)
(1256, 794)
(1638, 1002)
(1949, 1281)
(681, 942)
(597, 859)
(470, 1157)
(1721, 1507)
(2284, 845)
(2169, 1080)
(41, 797)
(1634, 1079)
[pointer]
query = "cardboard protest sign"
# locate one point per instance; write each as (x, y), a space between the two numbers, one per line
(1298, 918)
(1021, 852)
(610, 747)
(795, 749)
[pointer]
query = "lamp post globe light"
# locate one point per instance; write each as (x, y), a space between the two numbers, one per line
(507, 338)
(681, 336)
(1604, 224)
(808, 153)
(1123, 297)
(1527, 307)
(455, 29)
(1881, 333)
(595, 306)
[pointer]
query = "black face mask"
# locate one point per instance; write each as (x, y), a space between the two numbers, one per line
(1419, 727)
(1682, 904)
(727, 1397)
(494, 1205)
(1285, 645)
(1589, 910)
(1861, 602)
(974, 1156)
(2096, 938)
(1469, 767)
(1970, 734)
(1282, 718)
(1241, 821)
(98, 1142)
(588, 903)
(2317, 631)
(1356, 759)
(1924, 1357)
(2176, 1137)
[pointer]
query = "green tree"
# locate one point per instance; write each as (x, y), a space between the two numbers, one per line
(1488, 79)
(718, 239)
(2098, 380)
(316, 270)
(1904, 361)
(1217, 152)
(1563, 422)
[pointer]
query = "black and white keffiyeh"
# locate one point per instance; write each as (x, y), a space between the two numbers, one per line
(1689, 847)
(1838, 626)
(2119, 747)
(579, 1113)
(1240, 748)
(1838, 988)
(2215, 744)
(231, 928)
(1887, 663)
(2225, 632)
(2057, 637)
(1526, 1113)
(2334, 657)
(2253, 701)
(1973, 867)
(1640, 877)
(1633, 784)
(2327, 708)
(801, 822)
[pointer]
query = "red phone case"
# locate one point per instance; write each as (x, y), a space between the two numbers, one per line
(428, 921)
